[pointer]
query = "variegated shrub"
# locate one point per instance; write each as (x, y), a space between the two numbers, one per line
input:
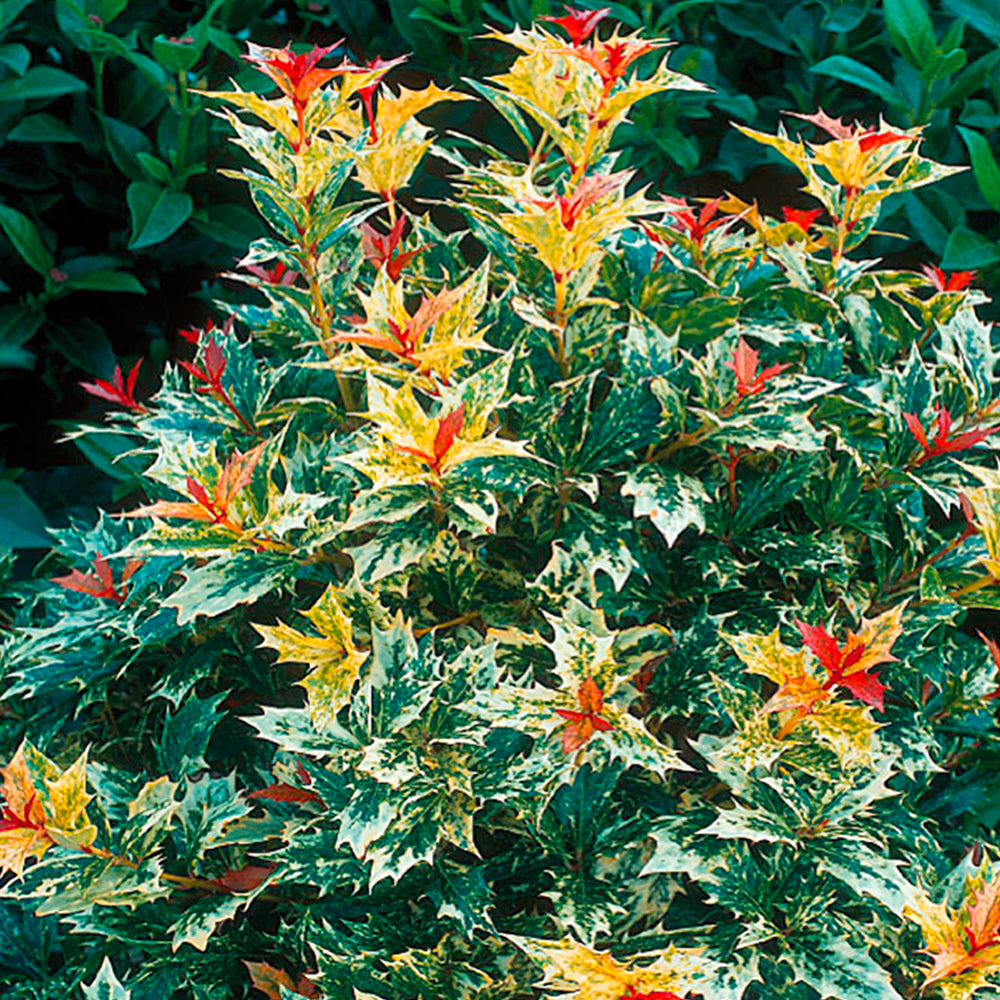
(582, 604)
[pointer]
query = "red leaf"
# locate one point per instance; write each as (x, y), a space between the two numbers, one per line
(246, 878)
(865, 686)
(283, 792)
(579, 24)
(448, 429)
(822, 644)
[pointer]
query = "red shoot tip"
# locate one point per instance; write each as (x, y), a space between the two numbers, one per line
(119, 389)
(750, 382)
(944, 282)
(579, 24)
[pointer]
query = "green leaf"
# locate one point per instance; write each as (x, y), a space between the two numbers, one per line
(23, 233)
(107, 281)
(186, 734)
(42, 128)
(156, 213)
(851, 71)
(22, 524)
(15, 56)
(967, 250)
(984, 166)
(835, 968)
(909, 26)
(200, 919)
(46, 82)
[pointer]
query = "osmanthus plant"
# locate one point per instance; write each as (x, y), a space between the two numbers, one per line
(582, 604)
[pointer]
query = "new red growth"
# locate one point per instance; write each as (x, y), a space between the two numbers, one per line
(383, 251)
(944, 282)
(578, 24)
(749, 381)
(612, 58)
(379, 66)
(803, 218)
(696, 226)
(213, 367)
(119, 390)
(99, 583)
(839, 662)
(586, 192)
(583, 724)
(943, 442)
(298, 77)
(448, 429)
(277, 274)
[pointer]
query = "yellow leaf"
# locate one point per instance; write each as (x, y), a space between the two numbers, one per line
(387, 166)
(964, 943)
(408, 448)
(847, 728)
(878, 635)
(42, 806)
(986, 507)
(396, 109)
(22, 826)
(275, 113)
(581, 973)
(768, 656)
(334, 661)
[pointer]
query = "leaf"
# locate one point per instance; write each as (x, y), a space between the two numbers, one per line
(580, 973)
(186, 734)
(41, 82)
(23, 233)
(909, 26)
(200, 920)
(106, 985)
(22, 524)
(223, 583)
(334, 661)
(984, 166)
(835, 969)
(670, 498)
(42, 128)
(851, 71)
(157, 213)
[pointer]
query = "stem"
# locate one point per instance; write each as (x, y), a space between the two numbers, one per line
(905, 578)
(469, 616)
(969, 588)
(561, 319)
(99, 60)
(684, 441)
(790, 724)
(231, 406)
(185, 127)
(181, 881)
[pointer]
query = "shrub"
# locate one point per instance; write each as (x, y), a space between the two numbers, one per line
(576, 605)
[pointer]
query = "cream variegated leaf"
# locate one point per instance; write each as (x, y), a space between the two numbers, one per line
(333, 660)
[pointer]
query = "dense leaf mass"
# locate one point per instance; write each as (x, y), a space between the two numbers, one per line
(581, 605)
